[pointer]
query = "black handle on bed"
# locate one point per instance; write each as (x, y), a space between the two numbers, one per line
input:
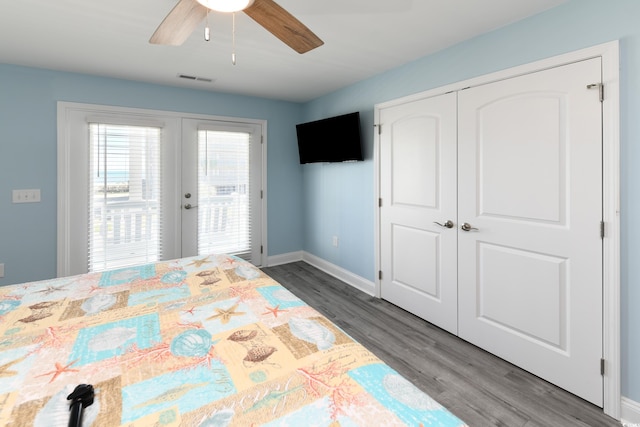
(80, 398)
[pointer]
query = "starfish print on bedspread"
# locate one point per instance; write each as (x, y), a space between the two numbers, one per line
(274, 310)
(225, 315)
(199, 262)
(231, 261)
(59, 370)
(93, 288)
(51, 289)
(190, 311)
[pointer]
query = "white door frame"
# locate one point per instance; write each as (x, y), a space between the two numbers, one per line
(609, 52)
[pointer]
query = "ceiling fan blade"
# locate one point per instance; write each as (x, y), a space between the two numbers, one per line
(283, 25)
(179, 24)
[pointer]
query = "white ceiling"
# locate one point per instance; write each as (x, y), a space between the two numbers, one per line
(362, 38)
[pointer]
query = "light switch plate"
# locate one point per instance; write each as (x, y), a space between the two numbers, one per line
(26, 196)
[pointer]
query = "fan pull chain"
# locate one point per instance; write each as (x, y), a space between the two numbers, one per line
(207, 30)
(233, 40)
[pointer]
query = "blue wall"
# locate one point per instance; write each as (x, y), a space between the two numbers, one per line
(339, 199)
(28, 144)
(310, 204)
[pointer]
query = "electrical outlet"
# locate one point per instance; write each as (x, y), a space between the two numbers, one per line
(26, 196)
(335, 241)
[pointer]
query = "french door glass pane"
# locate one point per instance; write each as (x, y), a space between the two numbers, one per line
(124, 196)
(224, 212)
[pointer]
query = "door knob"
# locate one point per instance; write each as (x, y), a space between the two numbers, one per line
(187, 195)
(448, 224)
(467, 227)
(189, 206)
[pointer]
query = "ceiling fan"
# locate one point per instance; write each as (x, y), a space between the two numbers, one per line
(183, 19)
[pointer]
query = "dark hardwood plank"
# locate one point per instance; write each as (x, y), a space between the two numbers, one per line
(479, 388)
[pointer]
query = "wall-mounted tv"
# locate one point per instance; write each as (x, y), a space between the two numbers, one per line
(336, 139)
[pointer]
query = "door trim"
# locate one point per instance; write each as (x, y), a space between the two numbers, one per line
(609, 52)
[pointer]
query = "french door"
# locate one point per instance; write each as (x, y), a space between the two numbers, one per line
(221, 198)
(138, 186)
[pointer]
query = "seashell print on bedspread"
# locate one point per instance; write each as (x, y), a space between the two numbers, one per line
(313, 332)
(199, 341)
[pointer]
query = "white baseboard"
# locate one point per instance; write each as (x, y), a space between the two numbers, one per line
(284, 258)
(630, 413)
(340, 273)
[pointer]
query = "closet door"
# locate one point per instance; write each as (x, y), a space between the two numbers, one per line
(418, 190)
(530, 192)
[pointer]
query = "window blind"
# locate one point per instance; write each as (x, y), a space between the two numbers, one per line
(125, 215)
(224, 199)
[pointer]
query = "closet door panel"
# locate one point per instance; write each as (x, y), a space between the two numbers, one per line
(418, 190)
(530, 191)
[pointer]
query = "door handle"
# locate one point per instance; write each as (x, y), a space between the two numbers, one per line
(448, 224)
(189, 206)
(467, 227)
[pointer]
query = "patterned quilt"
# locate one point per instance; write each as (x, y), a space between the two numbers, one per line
(201, 341)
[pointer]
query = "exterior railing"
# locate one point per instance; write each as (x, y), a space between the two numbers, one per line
(124, 231)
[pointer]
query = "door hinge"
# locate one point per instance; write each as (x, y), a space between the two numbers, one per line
(602, 229)
(600, 88)
(380, 202)
(379, 129)
(601, 366)
(379, 274)
(261, 194)
(261, 249)
(261, 139)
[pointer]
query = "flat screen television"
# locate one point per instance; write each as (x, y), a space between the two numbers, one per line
(335, 139)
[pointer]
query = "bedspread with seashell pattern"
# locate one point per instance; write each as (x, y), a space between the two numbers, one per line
(199, 341)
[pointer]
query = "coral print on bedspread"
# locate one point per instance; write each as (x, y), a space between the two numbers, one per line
(199, 341)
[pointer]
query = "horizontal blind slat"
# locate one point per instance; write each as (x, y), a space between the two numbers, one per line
(125, 215)
(224, 208)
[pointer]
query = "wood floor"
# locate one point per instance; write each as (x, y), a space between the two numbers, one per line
(476, 386)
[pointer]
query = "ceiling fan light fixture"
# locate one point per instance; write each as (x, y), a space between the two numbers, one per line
(226, 5)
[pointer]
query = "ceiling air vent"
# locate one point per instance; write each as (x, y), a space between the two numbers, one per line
(195, 78)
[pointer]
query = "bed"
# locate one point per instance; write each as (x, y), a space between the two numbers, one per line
(199, 341)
